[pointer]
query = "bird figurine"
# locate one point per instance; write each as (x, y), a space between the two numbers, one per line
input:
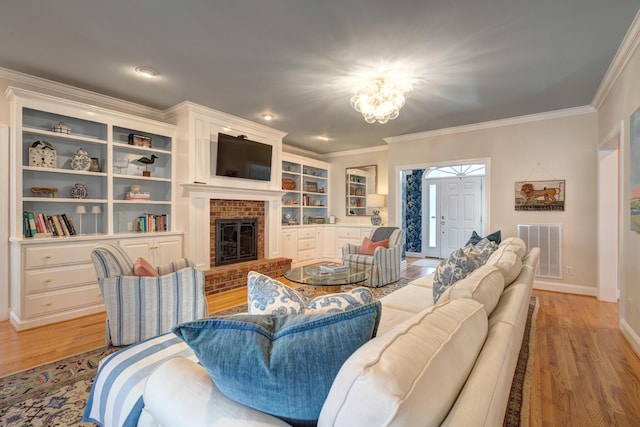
(146, 161)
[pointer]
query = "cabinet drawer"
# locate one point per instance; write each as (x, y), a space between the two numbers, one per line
(50, 279)
(306, 255)
(51, 302)
(348, 233)
(306, 244)
(306, 233)
(52, 255)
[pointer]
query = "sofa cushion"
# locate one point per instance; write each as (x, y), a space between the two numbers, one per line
(269, 296)
(456, 266)
(517, 245)
(508, 262)
(409, 298)
(475, 237)
(484, 285)
(281, 365)
(412, 374)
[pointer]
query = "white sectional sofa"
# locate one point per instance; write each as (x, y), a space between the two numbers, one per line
(447, 364)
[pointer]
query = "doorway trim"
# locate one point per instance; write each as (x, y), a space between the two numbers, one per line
(609, 206)
(486, 214)
(4, 223)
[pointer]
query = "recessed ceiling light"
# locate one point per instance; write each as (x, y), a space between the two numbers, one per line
(324, 137)
(147, 72)
(267, 116)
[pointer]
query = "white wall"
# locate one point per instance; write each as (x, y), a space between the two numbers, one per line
(559, 145)
(348, 159)
(619, 103)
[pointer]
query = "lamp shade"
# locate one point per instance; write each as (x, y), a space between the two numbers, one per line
(80, 209)
(96, 209)
(375, 200)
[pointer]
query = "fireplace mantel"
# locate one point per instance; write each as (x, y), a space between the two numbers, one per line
(197, 240)
(233, 193)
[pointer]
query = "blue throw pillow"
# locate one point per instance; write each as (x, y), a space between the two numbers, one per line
(282, 365)
(458, 265)
(496, 237)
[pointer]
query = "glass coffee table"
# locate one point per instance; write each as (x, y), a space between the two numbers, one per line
(325, 282)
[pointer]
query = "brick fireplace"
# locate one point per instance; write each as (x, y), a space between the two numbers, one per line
(209, 202)
(236, 209)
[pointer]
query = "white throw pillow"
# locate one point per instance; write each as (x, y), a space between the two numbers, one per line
(509, 263)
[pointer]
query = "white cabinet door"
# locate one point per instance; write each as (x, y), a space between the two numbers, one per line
(326, 238)
(156, 250)
(290, 244)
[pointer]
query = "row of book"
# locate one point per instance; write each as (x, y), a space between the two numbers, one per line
(148, 223)
(40, 225)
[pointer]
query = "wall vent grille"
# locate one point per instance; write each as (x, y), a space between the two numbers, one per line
(547, 237)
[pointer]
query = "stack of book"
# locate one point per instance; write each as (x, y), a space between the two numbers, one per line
(138, 195)
(148, 223)
(333, 268)
(41, 225)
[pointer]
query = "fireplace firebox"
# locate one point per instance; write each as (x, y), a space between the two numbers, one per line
(236, 240)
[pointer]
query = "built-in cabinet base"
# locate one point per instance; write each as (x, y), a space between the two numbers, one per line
(309, 244)
(54, 279)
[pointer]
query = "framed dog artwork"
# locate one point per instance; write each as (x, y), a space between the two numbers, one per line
(540, 195)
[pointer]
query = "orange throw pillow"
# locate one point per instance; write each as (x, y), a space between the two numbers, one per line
(368, 247)
(142, 268)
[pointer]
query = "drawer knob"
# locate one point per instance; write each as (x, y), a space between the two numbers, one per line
(47, 281)
(48, 304)
(47, 257)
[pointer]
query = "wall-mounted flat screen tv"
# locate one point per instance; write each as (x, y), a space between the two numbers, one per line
(239, 157)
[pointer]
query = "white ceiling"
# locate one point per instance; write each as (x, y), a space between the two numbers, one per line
(472, 60)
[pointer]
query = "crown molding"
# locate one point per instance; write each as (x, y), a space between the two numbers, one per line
(224, 119)
(567, 112)
(290, 149)
(83, 94)
(355, 152)
(626, 50)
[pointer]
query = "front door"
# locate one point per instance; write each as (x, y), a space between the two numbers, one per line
(460, 213)
(452, 209)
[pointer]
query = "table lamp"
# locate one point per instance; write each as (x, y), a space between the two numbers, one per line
(80, 210)
(375, 201)
(96, 210)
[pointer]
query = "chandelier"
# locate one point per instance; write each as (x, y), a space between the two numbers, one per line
(379, 100)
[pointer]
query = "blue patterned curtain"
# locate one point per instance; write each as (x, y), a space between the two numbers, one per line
(412, 210)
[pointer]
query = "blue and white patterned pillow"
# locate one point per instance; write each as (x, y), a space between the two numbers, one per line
(268, 296)
(485, 248)
(342, 301)
(455, 267)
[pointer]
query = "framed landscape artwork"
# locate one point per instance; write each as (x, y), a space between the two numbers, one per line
(634, 203)
(540, 195)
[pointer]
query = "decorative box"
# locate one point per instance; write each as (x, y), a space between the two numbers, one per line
(42, 154)
(61, 128)
(140, 140)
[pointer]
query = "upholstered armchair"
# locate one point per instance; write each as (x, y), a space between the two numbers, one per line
(383, 266)
(144, 306)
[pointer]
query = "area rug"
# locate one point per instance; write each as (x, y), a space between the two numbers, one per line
(430, 263)
(56, 393)
(518, 409)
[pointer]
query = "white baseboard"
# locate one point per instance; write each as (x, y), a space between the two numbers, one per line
(565, 288)
(631, 336)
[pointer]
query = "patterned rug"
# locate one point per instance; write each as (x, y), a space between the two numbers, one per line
(518, 410)
(50, 395)
(55, 394)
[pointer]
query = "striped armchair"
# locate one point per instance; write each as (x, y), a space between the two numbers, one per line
(383, 267)
(140, 307)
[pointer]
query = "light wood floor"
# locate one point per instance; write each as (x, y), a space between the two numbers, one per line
(584, 373)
